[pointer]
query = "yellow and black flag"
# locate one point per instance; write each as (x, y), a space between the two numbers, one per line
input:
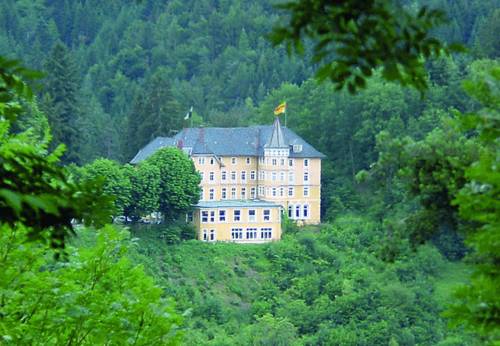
(280, 109)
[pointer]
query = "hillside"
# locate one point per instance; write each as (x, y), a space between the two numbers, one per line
(212, 55)
(408, 186)
(322, 286)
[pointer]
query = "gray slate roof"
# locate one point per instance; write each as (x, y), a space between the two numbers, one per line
(152, 147)
(232, 141)
(252, 203)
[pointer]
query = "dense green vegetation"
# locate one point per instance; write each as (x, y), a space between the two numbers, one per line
(209, 54)
(166, 182)
(95, 296)
(319, 286)
(410, 186)
(52, 293)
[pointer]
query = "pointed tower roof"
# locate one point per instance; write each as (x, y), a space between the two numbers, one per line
(277, 140)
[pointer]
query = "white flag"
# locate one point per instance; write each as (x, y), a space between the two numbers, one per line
(189, 114)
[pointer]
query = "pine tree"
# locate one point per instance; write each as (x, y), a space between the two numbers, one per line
(59, 100)
(98, 133)
(159, 114)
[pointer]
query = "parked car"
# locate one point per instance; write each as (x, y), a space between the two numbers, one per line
(122, 219)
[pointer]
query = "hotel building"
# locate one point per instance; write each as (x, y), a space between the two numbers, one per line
(250, 176)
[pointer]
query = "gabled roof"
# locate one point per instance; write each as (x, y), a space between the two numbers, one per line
(232, 141)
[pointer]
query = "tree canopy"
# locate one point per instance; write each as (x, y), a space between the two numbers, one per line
(352, 38)
(409, 183)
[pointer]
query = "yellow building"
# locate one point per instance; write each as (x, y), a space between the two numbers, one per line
(257, 171)
(250, 221)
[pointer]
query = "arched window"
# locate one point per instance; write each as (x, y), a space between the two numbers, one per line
(306, 211)
(212, 235)
(297, 211)
(290, 211)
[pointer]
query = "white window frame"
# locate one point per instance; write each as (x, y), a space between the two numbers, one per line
(233, 160)
(234, 193)
(248, 160)
(266, 233)
(212, 235)
(306, 191)
(205, 235)
(291, 191)
(201, 160)
(266, 215)
(252, 175)
(211, 176)
(306, 212)
(222, 215)
(251, 233)
(223, 175)
(243, 193)
(243, 175)
(252, 215)
(237, 233)
(237, 218)
(224, 193)
(204, 216)
(233, 175)
(212, 216)
(211, 194)
(252, 193)
(306, 177)
(306, 162)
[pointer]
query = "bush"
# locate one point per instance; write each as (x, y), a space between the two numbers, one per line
(95, 297)
(288, 226)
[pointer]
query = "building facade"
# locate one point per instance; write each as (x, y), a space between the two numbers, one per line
(255, 172)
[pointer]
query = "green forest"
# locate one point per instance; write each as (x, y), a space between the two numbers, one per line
(403, 98)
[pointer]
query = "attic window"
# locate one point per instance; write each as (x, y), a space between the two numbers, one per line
(297, 148)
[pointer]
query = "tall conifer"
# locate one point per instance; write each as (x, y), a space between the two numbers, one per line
(158, 114)
(60, 100)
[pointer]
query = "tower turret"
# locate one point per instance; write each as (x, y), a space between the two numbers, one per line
(276, 145)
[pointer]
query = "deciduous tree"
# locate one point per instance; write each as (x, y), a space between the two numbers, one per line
(179, 182)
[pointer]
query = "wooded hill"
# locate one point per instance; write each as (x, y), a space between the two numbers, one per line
(127, 60)
(409, 187)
